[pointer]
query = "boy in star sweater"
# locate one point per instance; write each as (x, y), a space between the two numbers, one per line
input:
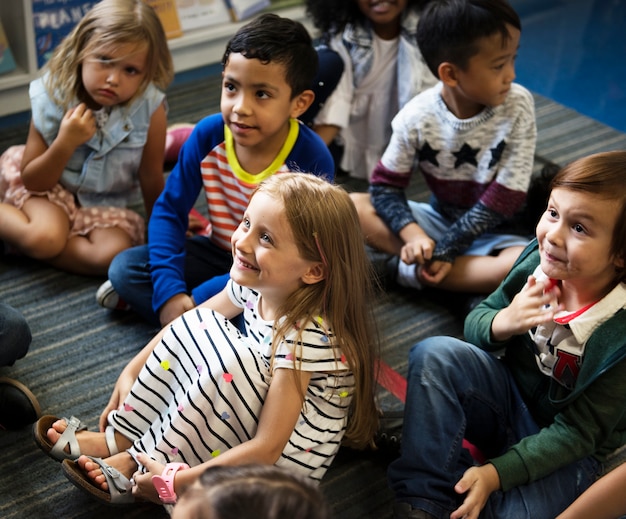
(473, 138)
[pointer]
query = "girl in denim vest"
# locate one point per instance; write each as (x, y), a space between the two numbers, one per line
(95, 143)
(382, 70)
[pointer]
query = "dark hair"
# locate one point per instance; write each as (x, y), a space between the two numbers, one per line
(270, 38)
(448, 30)
(330, 17)
(601, 174)
(260, 491)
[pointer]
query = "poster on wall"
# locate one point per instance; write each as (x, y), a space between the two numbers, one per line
(198, 14)
(242, 9)
(168, 14)
(7, 62)
(53, 20)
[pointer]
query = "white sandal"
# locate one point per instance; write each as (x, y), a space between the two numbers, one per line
(67, 439)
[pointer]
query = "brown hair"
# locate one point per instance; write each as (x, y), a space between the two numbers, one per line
(259, 491)
(109, 22)
(603, 174)
(326, 229)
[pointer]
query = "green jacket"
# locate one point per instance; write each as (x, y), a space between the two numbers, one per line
(588, 420)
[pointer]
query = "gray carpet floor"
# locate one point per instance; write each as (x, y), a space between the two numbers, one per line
(78, 348)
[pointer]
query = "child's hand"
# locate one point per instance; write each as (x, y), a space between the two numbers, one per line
(175, 307)
(434, 272)
(478, 483)
(77, 127)
(418, 250)
(144, 488)
(120, 392)
(535, 304)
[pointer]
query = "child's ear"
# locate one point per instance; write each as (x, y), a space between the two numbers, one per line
(448, 73)
(301, 103)
(314, 274)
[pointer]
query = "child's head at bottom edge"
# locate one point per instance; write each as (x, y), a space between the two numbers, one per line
(251, 491)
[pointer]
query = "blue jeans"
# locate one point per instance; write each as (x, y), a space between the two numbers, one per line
(206, 266)
(15, 335)
(456, 391)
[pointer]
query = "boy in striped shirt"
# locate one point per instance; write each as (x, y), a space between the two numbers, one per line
(268, 67)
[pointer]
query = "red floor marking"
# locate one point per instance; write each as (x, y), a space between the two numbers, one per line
(395, 383)
(391, 380)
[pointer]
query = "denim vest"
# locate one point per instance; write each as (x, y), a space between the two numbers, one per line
(413, 73)
(104, 170)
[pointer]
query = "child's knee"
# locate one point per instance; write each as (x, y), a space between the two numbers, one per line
(102, 255)
(43, 243)
(438, 349)
(363, 204)
(505, 261)
(120, 266)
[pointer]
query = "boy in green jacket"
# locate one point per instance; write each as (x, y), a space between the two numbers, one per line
(548, 411)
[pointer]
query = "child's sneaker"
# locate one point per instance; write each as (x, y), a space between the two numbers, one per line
(175, 137)
(107, 297)
(389, 434)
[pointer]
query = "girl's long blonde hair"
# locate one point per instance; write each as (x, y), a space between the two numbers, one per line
(109, 23)
(326, 229)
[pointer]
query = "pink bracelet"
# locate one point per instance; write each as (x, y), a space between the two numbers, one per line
(164, 483)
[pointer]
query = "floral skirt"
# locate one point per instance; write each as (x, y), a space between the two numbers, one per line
(82, 219)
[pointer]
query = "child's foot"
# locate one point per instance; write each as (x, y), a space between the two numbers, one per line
(89, 442)
(122, 462)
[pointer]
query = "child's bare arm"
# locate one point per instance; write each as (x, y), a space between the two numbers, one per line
(327, 132)
(43, 165)
(277, 421)
(222, 304)
(151, 167)
(605, 499)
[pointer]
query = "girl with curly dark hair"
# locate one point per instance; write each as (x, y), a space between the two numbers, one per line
(382, 69)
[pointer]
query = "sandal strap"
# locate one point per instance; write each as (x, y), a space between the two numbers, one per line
(120, 487)
(109, 436)
(68, 438)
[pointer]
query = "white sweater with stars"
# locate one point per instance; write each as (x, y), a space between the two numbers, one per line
(478, 169)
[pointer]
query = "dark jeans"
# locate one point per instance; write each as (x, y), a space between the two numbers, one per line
(205, 264)
(456, 391)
